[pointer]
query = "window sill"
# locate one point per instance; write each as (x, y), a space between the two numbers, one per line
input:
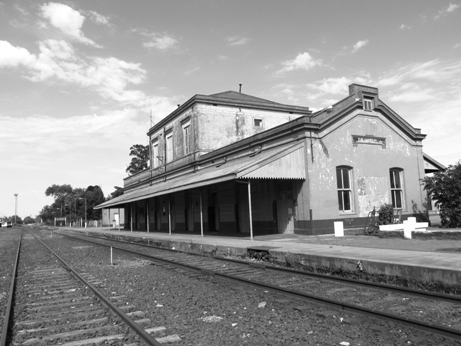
(347, 213)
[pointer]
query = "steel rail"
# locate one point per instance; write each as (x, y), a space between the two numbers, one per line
(428, 327)
(7, 317)
(405, 290)
(133, 325)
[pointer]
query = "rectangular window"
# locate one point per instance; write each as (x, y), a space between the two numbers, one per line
(155, 159)
(169, 147)
(258, 122)
(186, 137)
(396, 178)
(367, 104)
(343, 182)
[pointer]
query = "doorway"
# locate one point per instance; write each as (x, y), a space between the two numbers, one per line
(285, 207)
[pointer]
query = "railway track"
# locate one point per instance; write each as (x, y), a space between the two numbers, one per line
(433, 313)
(55, 305)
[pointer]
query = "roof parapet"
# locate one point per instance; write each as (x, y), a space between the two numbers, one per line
(357, 89)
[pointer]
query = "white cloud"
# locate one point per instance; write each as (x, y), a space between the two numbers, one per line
(338, 86)
(303, 61)
(449, 9)
(11, 56)
(192, 70)
(359, 45)
(67, 20)
(109, 77)
(457, 45)
(434, 71)
(21, 9)
(288, 91)
(160, 41)
(56, 140)
(98, 18)
(403, 27)
(237, 40)
(412, 92)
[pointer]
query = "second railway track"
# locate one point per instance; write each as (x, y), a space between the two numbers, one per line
(438, 314)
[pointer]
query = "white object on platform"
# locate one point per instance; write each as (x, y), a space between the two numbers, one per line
(407, 225)
(414, 226)
(339, 229)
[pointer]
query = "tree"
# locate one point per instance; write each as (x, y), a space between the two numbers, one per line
(118, 192)
(71, 203)
(140, 159)
(14, 219)
(58, 191)
(28, 220)
(94, 196)
(445, 190)
(48, 213)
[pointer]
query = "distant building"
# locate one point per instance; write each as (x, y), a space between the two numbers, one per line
(231, 163)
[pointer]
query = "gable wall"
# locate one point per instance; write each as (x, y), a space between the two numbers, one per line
(370, 166)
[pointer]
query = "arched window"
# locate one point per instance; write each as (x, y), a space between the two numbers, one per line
(344, 186)
(396, 179)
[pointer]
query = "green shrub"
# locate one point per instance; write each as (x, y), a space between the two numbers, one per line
(385, 213)
(445, 190)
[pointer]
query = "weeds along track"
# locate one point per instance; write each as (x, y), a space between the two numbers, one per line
(434, 313)
(54, 305)
(9, 250)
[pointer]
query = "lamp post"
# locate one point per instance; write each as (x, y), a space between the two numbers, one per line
(15, 206)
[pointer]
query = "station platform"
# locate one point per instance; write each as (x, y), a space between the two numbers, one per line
(429, 259)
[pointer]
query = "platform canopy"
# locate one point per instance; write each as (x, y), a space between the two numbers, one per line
(281, 162)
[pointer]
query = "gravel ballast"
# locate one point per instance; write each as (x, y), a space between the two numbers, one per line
(209, 311)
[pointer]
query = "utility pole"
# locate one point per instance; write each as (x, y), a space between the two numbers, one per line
(15, 206)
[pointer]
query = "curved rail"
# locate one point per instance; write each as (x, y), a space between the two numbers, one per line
(10, 297)
(429, 327)
(139, 330)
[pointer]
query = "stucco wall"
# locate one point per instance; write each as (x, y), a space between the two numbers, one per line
(219, 126)
(370, 166)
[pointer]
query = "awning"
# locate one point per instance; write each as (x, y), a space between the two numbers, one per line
(284, 162)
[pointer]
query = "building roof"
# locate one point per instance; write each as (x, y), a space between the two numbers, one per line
(242, 97)
(282, 162)
(431, 165)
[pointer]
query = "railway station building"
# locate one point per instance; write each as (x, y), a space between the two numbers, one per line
(235, 164)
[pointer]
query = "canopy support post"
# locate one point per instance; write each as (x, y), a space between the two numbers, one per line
(249, 210)
(147, 214)
(201, 215)
(169, 215)
(131, 217)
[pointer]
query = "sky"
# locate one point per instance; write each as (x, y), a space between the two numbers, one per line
(79, 79)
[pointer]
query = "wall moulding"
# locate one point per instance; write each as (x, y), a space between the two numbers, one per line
(368, 139)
